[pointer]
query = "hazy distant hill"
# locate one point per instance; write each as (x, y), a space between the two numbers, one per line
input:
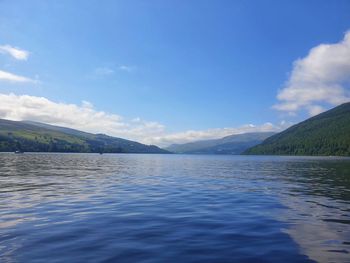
(39, 137)
(233, 144)
(325, 134)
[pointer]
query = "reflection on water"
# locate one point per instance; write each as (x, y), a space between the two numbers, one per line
(171, 208)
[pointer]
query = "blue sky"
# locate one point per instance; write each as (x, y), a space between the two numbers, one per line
(170, 66)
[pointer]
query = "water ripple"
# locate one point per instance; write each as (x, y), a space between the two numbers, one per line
(171, 208)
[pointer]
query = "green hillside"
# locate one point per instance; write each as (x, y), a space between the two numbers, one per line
(325, 134)
(233, 144)
(39, 137)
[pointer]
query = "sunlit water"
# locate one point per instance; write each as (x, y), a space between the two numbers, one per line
(173, 208)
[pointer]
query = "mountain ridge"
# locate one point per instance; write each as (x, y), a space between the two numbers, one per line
(232, 144)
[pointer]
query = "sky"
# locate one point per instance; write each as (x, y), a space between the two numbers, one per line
(163, 72)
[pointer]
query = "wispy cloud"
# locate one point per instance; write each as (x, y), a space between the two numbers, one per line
(10, 77)
(18, 54)
(15, 52)
(85, 117)
(321, 78)
(126, 68)
(103, 71)
(196, 135)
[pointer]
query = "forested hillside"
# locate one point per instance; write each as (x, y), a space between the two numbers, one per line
(40, 137)
(325, 134)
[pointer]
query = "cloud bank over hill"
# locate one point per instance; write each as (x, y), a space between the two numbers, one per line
(321, 78)
(86, 118)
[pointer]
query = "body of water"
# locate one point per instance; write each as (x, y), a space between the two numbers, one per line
(173, 208)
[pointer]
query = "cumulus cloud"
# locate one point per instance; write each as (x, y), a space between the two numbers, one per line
(86, 118)
(83, 117)
(10, 77)
(321, 78)
(15, 52)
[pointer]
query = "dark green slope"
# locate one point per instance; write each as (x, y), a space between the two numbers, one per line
(325, 134)
(39, 137)
(233, 144)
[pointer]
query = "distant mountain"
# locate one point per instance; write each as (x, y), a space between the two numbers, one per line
(31, 136)
(233, 144)
(325, 134)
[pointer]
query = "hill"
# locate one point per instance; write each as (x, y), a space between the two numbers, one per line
(325, 134)
(39, 137)
(233, 144)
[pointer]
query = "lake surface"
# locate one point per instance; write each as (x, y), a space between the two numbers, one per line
(173, 208)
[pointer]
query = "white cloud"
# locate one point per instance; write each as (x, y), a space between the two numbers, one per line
(10, 77)
(15, 52)
(322, 77)
(83, 117)
(86, 118)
